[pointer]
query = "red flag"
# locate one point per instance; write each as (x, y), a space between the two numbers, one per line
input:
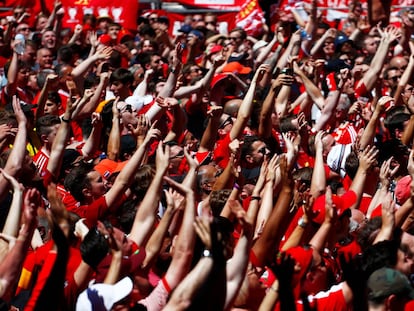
(251, 18)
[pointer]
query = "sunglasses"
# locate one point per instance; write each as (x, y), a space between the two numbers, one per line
(226, 122)
(127, 108)
(263, 150)
(178, 155)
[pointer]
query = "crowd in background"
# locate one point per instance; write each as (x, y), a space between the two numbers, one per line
(207, 170)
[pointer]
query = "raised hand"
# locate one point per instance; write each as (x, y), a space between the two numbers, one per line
(162, 158)
(192, 161)
(18, 112)
(153, 133)
(368, 158)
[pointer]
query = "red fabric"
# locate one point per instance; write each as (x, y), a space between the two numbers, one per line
(41, 159)
(349, 251)
(221, 154)
(342, 203)
(364, 205)
(91, 212)
(44, 258)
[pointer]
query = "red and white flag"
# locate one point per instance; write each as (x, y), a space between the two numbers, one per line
(251, 18)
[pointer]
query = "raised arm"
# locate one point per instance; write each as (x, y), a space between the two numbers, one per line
(368, 136)
(16, 157)
(168, 90)
(145, 216)
(114, 140)
(208, 140)
(50, 84)
(246, 106)
(367, 159)
(10, 267)
(370, 77)
(318, 182)
(278, 220)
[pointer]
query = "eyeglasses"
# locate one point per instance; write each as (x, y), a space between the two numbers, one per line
(196, 70)
(394, 78)
(226, 122)
(210, 23)
(197, 20)
(234, 38)
(178, 155)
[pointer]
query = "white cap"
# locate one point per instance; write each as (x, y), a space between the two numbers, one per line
(103, 296)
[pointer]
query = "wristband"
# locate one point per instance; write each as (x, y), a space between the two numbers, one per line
(65, 120)
(254, 197)
(236, 186)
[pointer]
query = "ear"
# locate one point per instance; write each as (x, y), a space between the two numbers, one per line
(392, 302)
(44, 138)
(86, 192)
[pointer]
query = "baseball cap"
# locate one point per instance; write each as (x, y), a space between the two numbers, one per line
(342, 203)
(103, 296)
(108, 167)
(237, 68)
(216, 48)
(185, 28)
(402, 189)
(386, 281)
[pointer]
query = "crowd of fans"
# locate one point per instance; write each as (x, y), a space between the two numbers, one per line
(209, 170)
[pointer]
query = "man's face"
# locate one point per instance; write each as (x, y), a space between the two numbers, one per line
(259, 153)
(49, 39)
(45, 58)
(211, 23)
(156, 63)
(24, 30)
(29, 55)
(51, 108)
(393, 77)
(113, 32)
(117, 87)
(371, 45)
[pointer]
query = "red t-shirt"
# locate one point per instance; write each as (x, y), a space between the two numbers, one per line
(221, 154)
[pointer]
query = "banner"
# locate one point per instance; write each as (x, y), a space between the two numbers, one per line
(334, 9)
(234, 5)
(123, 12)
(251, 18)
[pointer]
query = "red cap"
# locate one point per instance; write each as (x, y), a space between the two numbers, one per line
(237, 68)
(216, 48)
(342, 204)
(108, 167)
(105, 39)
(402, 189)
(218, 78)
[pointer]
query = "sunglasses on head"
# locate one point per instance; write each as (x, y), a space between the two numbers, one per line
(226, 122)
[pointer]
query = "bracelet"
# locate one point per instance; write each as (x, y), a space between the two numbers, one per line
(236, 186)
(255, 197)
(65, 120)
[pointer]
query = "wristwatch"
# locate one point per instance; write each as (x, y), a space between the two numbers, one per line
(302, 223)
(207, 253)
